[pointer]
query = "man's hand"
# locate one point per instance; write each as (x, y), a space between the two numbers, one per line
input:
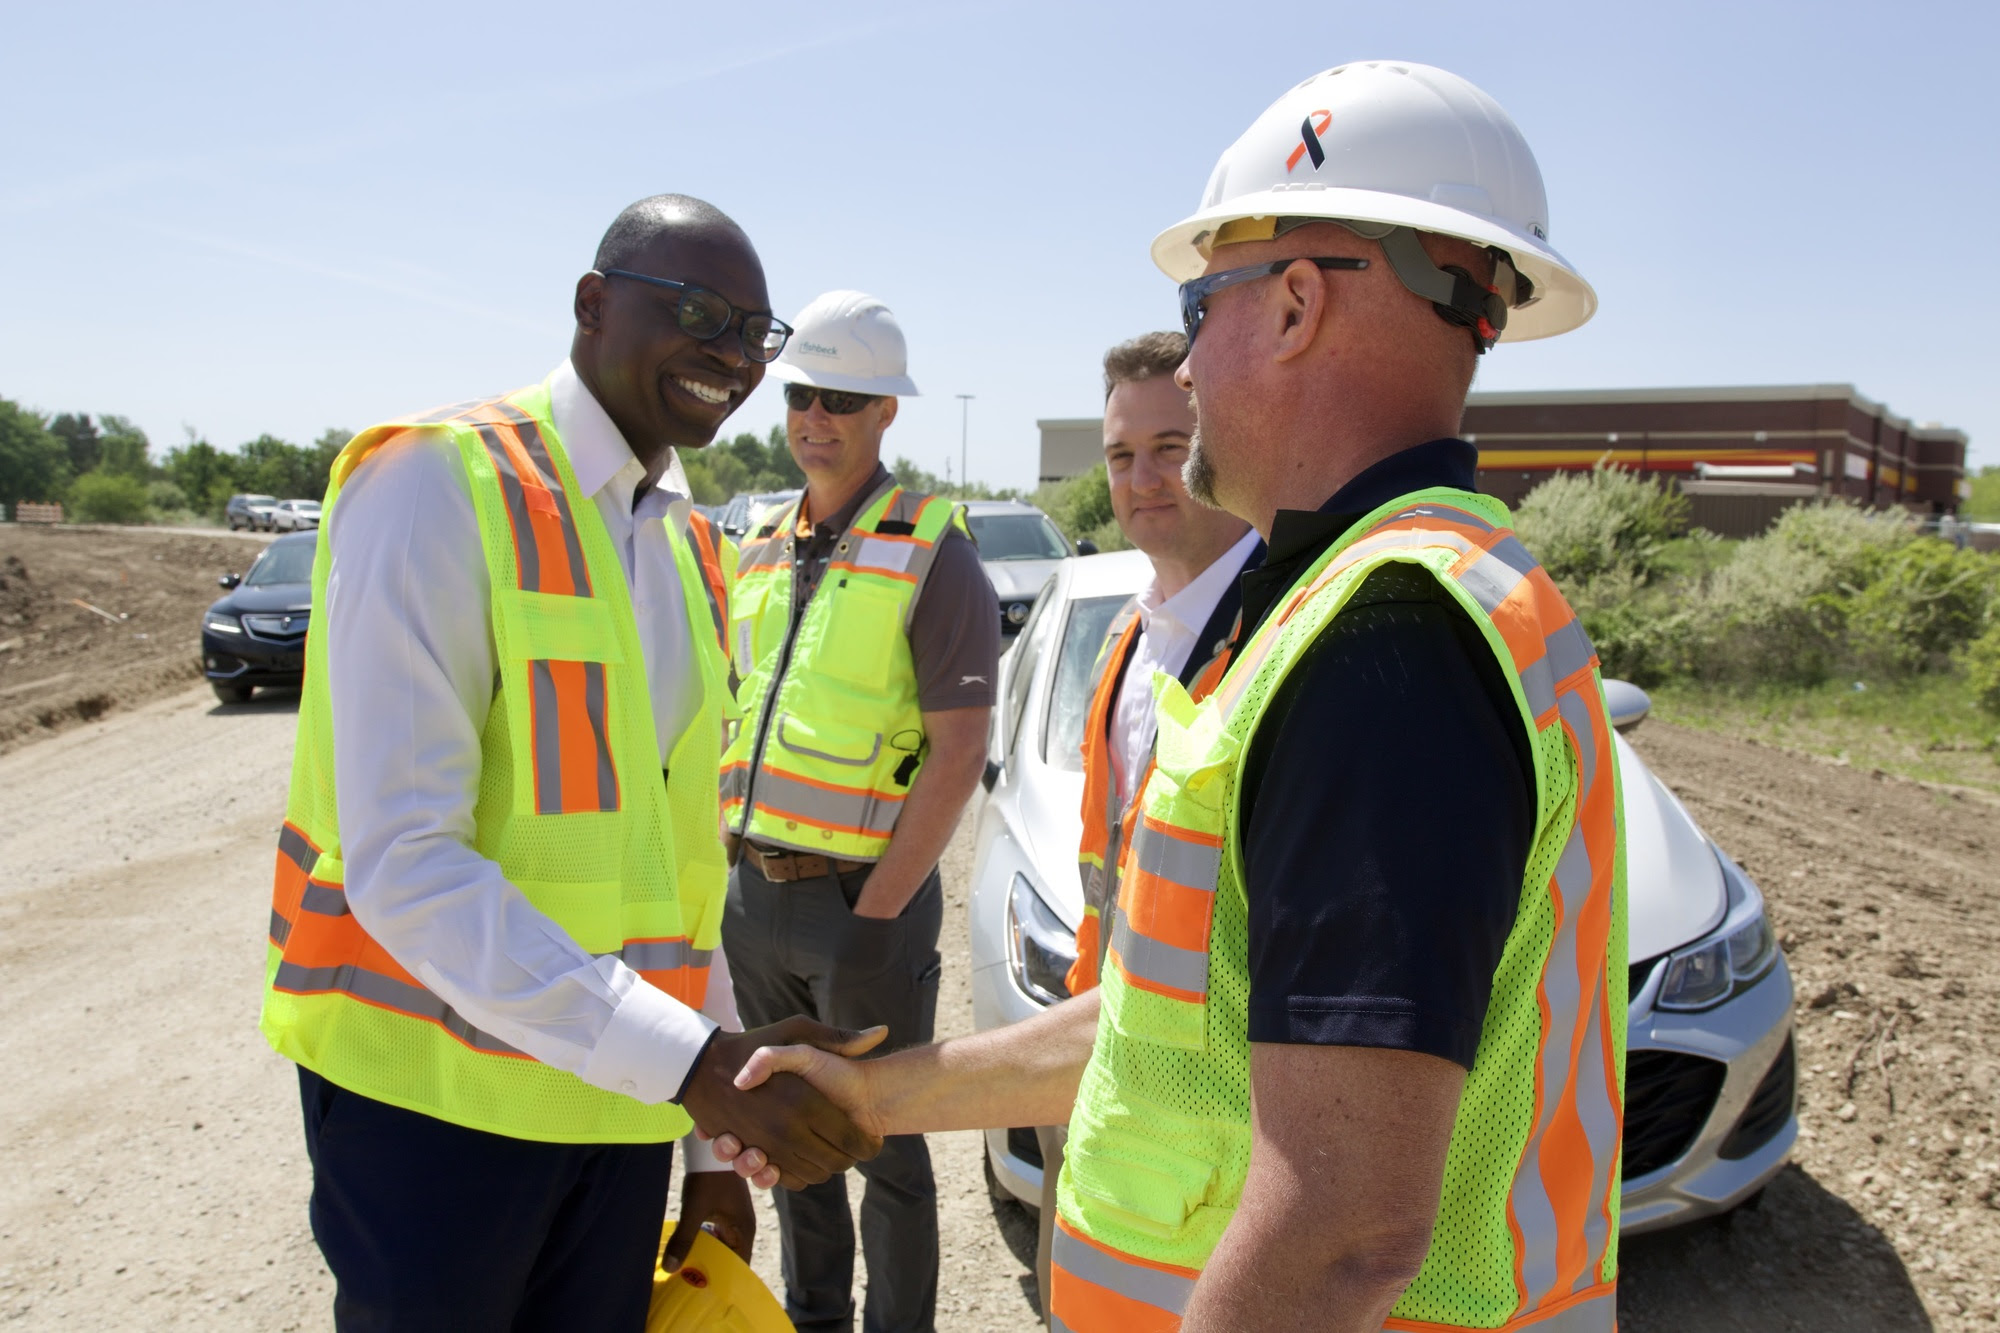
(805, 1137)
(844, 1082)
(715, 1197)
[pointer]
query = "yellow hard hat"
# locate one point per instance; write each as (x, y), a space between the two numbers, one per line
(714, 1292)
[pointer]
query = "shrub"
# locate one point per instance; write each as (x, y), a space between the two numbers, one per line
(1584, 524)
(1081, 507)
(1927, 599)
(1981, 661)
(108, 497)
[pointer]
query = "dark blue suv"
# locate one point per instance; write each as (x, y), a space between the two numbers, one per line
(257, 634)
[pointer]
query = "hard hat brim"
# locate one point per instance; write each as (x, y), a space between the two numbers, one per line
(1563, 300)
(894, 386)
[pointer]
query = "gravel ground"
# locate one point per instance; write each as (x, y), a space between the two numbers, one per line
(153, 1175)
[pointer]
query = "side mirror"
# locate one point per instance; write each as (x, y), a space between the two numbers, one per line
(991, 775)
(1627, 704)
(1086, 546)
(229, 580)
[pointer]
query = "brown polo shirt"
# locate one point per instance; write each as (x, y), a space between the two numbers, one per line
(955, 626)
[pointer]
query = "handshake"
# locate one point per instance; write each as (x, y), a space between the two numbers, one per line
(748, 1096)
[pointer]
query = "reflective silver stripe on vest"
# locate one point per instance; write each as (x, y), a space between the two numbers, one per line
(594, 707)
(547, 737)
(787, 796)
(322, 900)
(293, 845)
(1599, 1314)
(1195, 865)
(281, 929)
(530, 432)
(1450, 513)
(1400, 539)
(1137, 1282)
(1153, 960)
(1570, 651)
(661, 955)
(1563, 989)
(1601, 1129)
(527, 555)
(447, 413)
(1576, 712)
(877, 553)
(390, 994)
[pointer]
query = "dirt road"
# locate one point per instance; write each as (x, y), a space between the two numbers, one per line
(153, 1175)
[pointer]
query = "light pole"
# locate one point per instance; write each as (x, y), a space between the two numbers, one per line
(964, 425)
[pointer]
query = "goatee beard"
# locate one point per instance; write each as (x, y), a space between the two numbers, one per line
(1198, 472)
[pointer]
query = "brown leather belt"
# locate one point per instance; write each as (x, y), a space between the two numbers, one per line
(782, 867)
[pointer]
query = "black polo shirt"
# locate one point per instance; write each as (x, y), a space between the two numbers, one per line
(1388, 798)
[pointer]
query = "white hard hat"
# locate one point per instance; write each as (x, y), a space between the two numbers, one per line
(1396, 145)
(847, 340)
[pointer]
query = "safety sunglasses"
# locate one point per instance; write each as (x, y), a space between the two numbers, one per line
(840, 402)
(703, 315)
(1196, 291)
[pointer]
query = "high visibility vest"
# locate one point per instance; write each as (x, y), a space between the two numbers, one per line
(1159, 1146)
(571, 807)
(717, 557)
(832, 736)
(1107, 829)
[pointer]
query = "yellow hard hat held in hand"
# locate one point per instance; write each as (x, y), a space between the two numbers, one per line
(714, 1292)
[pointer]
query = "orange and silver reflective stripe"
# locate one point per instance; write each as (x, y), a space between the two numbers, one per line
(572, 744)
(547, 548)
(712, 582)
(1166, 903)
(1595, 1311)
(1096, 1289)
(386, 992)
(296, 858)
(827, 805)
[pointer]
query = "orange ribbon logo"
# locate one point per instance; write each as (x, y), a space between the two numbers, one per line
(1309, 133)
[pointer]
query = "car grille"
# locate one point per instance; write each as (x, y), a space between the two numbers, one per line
(283, 627)
(1770, 1107)
(1668, 1098)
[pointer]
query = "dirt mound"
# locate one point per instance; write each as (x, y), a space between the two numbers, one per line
(93, 620)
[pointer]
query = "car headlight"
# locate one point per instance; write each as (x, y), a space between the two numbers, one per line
(1734, 954)
(1040, 948)
(1017, 613)
(222, 624)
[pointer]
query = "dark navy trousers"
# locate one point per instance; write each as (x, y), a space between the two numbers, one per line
(428, 1225)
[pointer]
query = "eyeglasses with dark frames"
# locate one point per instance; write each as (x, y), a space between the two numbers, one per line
(1196, 291)
(705, 315)
(840, 402)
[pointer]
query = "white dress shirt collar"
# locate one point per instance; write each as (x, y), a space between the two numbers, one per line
(599, 454)
(1189, 609)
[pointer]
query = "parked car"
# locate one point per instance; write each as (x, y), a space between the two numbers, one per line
(295, 516)
(746, 508)
(1020, 547)
(1709, 1075)
(249, 511)
(257, 634)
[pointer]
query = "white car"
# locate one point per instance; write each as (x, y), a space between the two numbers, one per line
(294, 515)
(1709, 1076)
(1019, 547)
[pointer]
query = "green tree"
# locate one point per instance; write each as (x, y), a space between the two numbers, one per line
(124, 449)
(1984, 506)
(205, 474)
(272, 466)
(34, 464)
(109, 497)
(79, 435)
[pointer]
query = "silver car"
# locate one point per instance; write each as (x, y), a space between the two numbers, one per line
(1709, 1076)
(1019, 546)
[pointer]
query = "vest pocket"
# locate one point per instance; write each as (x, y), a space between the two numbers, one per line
(828, 741)
(1119, 1163)
(541, 626)
(862, 626)
(589, 913)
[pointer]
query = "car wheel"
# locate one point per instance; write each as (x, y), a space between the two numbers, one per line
(994, 1189)
(233, 694)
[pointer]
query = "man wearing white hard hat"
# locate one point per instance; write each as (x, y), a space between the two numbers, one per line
(867, 637)
(1356, 1059)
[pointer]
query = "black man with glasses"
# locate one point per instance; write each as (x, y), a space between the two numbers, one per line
(867, 636)
(495, 920)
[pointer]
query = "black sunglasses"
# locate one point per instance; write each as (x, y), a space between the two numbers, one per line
(703, 315)
(840, 402)
(1196, 291)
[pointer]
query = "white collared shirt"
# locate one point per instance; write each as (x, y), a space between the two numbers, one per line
(411, 670)
(1167, 631)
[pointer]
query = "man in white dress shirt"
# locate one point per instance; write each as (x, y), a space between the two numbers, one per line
(493, 943)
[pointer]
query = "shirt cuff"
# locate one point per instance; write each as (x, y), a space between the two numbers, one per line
(649, 1047)
(698, 1154)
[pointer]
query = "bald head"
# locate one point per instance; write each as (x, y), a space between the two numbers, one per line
(642, 226)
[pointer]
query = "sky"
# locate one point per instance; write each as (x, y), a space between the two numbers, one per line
(258, 218)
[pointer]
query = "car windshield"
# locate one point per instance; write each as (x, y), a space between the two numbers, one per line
(1017, 537)
(286, 562)
(260, 499)
(1069, 696)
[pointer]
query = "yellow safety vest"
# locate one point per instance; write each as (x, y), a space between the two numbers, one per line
(832, 736)
(1160, 1143)
(571, 806)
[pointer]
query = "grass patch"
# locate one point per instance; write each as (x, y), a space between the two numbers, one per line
(1927, 727)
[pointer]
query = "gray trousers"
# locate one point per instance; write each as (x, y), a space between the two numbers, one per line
(799, 949)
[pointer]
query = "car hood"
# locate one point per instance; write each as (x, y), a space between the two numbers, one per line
(266, 597)
(1019, 580)
(1675, 893)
